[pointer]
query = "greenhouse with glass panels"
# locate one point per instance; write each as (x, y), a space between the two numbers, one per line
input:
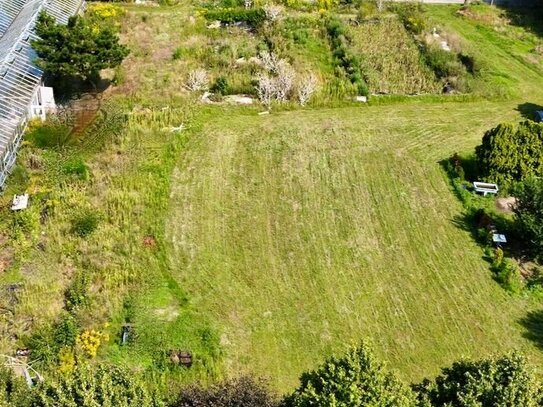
(22, 96)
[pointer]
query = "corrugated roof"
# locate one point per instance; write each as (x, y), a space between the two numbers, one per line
(19, 76)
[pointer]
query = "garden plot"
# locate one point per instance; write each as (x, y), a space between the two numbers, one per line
(390, 58)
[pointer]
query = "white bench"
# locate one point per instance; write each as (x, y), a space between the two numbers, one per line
(485, 188)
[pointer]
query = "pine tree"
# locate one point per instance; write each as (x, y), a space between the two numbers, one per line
(82, 48)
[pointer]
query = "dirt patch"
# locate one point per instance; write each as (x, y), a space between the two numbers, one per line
(506, 205)
(163, 54)
(169, 313)
(149, 241)
(7, 253)
(84, 110)
(527, 267)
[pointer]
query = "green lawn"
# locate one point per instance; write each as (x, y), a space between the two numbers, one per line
(300, 232)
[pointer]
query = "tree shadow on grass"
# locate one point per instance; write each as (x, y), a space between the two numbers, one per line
(70, 88)
(527, 110)
(533, 324)
(529, 18)
(468, 163)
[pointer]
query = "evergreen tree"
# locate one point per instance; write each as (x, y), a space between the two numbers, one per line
(82, 48)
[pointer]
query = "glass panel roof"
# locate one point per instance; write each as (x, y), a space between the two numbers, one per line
(19, 76)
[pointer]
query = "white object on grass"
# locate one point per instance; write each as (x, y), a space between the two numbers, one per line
(19, 202)
(498, 238)
(485, 188)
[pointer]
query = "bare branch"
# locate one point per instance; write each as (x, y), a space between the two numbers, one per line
(284, 81)
(307, 85)
(266, 89)
(273, 11)
(197, 80)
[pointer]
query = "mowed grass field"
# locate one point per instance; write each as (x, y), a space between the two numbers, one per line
(301, 232)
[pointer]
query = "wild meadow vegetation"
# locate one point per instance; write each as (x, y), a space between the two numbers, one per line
(263, 243)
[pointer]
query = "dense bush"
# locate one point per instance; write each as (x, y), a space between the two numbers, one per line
(76, 294)
(221, 86)
(54, 133)
(507, 274)
(529, 214)
(76, 167)
(445, 64)
(253, 17)
(242, 392)
(81, 48)
(91, 386)
(85, 223)
(411, 15)
(65, 331)
(13, 389)
(356, 379)
(510, 153)
(503, 381)
(347, 63)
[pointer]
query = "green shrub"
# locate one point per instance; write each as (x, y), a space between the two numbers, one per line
(499, 381)
(177, 53)
(253, 17)
(508, 275)
(13, 389)
(26, 222)
(43, 345)
(411, 15)
(498, 257)
(511, 153)
(348, 63)
(76, 294)
(221, 86)
(241, 392)
(65, 330)
(445, 64)
(85, 223)
(50, 134)
(76, 167)
(356, 379)
(90, 385)
(529, 215)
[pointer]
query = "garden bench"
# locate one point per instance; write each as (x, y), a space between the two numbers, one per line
(485, 188)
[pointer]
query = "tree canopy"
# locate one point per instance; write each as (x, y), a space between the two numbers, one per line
(82, 48)
(354, 380)
(85, 386)
(510, 153)
(358, 379)
(529, 213)
(495, 382)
